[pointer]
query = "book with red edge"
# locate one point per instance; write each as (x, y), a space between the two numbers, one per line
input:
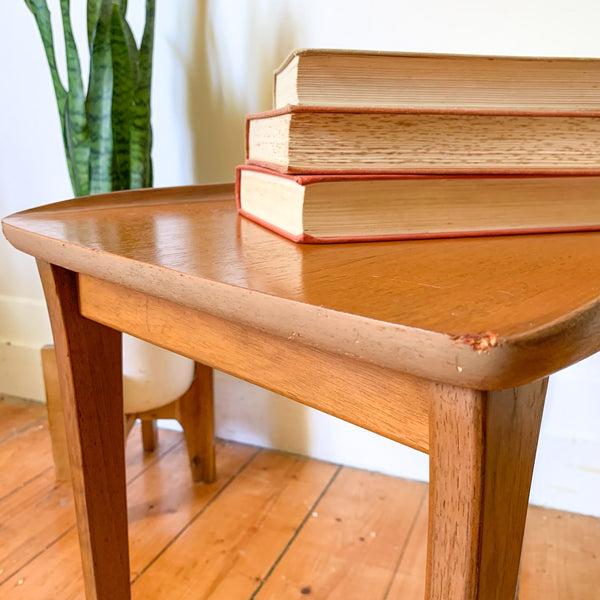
(336, 208)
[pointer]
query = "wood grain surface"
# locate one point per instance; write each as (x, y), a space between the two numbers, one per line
(18, 415)
(356, 330)
(351, 543)
(484, 313)
(483, 447)
(88, 355)
(39, 556)
(56, 421)
(389, 403)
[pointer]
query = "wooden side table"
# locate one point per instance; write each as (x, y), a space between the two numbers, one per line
(443, 345)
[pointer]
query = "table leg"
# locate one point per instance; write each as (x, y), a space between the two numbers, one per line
(195, 413)
(89, 363)
(482, 451)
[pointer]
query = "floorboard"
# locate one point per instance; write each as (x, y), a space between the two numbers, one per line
(274, 526)
(18, 415)
(351, 545)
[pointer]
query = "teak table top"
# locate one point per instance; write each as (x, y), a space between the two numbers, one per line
(460, 311)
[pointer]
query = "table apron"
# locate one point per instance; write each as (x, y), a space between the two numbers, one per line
(392, 404)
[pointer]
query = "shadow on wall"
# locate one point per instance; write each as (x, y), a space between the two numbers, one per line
(216, 113)
(216, 119)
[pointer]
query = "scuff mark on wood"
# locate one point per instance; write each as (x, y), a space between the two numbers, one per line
(480, 342)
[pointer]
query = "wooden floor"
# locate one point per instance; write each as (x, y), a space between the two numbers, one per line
(273, 527)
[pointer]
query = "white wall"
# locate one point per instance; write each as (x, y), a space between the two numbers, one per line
(213, 64)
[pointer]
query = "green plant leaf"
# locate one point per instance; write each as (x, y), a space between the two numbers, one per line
(141, 134)
(133, 50)
(78, 165)
(108, 135)
(129, 38)
(40, 11)
(122, 4)
(122, 102)
(99, 105)
(66, 143)
(75, 129)
(93, 14)
(94, 9)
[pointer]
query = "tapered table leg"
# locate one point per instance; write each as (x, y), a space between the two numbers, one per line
(195, 413)
(482, 451)
(89, 362)
(149, 435)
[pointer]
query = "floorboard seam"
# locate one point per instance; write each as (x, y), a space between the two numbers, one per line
(25, 483)
(405, 545)
(196, 516)
(155, 459)
(23, 429)
(35, 556)
(308, 515)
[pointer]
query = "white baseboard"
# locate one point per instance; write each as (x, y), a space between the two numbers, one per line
(21, 372)
(566, 475)
(24, 321)
(24, 329)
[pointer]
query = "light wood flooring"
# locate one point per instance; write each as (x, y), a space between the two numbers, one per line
(273, 527)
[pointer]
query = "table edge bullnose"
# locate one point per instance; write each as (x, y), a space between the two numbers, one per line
(478, 360)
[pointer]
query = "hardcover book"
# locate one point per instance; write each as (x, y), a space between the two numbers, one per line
(409, 80)
(328, 140)
(341, 208)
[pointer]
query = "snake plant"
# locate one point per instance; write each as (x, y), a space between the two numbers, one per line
(106, 130)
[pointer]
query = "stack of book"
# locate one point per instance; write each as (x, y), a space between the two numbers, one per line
(383, 146)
